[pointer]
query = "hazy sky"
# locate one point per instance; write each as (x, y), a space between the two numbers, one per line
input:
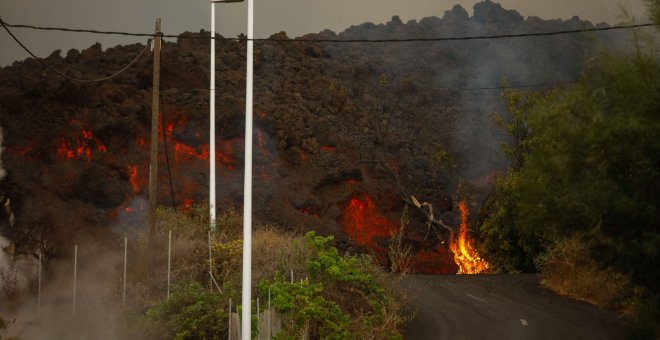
(296, 17)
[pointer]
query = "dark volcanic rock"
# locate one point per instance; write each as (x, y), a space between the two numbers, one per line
(340, 129)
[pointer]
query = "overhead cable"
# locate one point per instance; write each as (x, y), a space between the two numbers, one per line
(4, 25)
(338, 40)
(502, 87)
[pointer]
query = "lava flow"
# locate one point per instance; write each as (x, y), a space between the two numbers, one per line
(465, 255)
(81, 148)
(364, 224)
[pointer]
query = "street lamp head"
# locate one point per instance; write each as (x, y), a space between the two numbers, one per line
(225, 1)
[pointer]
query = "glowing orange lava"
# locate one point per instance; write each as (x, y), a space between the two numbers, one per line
(328, 148)
(351, 182)
(133, 179)
(433, 261)
(81, 148)
(465, 255)
(261, 142)
(183, 151)
(363, 223)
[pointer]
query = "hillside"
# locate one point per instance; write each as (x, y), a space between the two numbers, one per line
(344, 131)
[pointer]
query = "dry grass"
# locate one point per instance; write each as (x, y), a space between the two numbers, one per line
(277, 250)
(567, 271)
(274, 251)
(400, 254)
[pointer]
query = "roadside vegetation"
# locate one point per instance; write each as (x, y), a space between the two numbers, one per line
(315, 291)
(579, 203)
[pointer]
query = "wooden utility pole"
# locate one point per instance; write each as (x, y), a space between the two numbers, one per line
(153, 168)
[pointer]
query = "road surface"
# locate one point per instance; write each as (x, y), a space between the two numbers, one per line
(500, 307)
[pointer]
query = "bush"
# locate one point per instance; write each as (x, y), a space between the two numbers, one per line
(306, 309)
(567, 269)
(341, 297)
(191, 313)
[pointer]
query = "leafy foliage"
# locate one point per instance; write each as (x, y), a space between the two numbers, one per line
(508, 247)
(191, 313)
(305, 305)
(594, 168)
(585, 182)
(654, 10)
(329, 265)
(341, 297)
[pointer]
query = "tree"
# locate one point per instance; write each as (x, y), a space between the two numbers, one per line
(507, 247)
(593, 170)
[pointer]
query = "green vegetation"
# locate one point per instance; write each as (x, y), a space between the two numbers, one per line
(340, 300)
(193, 312)
(579, 202)
(333, 296)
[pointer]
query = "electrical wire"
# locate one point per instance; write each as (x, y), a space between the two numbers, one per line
(43, 63)
(167, 156)
(467, 89)
(502, 87)
(476, 37)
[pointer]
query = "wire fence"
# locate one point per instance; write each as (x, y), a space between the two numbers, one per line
(268, 321)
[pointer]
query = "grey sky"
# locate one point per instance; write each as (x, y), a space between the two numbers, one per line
(296, 17)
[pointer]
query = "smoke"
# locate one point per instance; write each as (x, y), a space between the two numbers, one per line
(52, 317)
(20, 307)
(2, 170)
(4, 243)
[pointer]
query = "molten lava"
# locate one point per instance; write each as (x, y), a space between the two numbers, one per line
(367, 226)
(465, 255)
(80, 149)
(363, 223)
(133, 179)
(328, 148)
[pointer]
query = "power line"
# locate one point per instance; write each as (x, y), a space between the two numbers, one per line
(502, 87)
(467, 89)
(167, 154)
(4, 25)
(475, 37)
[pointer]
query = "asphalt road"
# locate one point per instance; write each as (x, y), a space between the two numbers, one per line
(500, 307)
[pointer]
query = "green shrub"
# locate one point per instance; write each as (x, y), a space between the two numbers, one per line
(191, 313)
(341, 299)
(305, 306)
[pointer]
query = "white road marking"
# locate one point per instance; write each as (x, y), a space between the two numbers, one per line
(476, 298)
(523, 322)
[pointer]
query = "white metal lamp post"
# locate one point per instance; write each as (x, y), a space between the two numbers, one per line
(246, 329)
(212, 196)
(246, 298)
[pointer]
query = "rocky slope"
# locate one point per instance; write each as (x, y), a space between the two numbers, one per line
(344, 131)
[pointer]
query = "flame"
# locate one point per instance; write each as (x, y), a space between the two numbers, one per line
(465, 255)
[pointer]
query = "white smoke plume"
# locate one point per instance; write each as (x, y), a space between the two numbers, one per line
(2, 171)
